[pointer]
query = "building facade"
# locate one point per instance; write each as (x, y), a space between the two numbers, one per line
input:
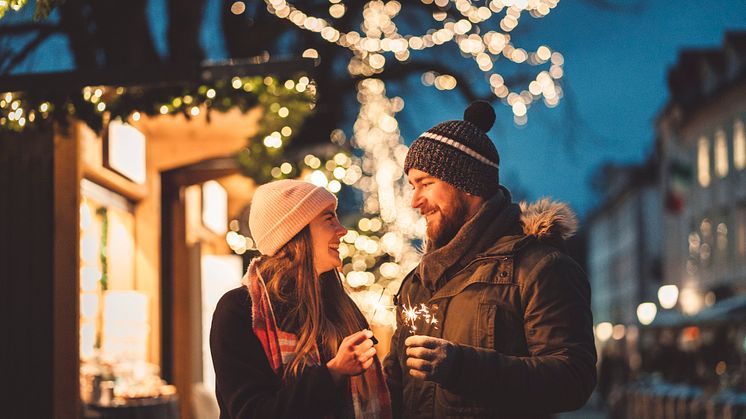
(702, 144)
(624, 243)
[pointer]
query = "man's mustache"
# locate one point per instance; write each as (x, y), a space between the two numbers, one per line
(427, 210)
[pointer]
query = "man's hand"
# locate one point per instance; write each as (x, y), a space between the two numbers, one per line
(430, 358)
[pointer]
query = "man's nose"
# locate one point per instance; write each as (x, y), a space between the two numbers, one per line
(416, 199)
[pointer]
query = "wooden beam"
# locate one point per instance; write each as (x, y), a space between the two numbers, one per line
(115, 182)
(66, 361)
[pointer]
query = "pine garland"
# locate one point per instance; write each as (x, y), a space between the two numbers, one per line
(43, 7)
(286, 105)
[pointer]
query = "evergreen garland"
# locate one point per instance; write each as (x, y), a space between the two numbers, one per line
(286, 105)
(43, 7)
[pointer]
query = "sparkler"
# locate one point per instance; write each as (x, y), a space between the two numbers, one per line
(410, 315)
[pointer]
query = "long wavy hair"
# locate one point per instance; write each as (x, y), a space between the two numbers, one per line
(324, 312)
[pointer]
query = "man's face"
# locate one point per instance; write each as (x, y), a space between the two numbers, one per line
(442, 204)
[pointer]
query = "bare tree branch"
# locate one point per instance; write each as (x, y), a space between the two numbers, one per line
(23, 28)
(14, 60)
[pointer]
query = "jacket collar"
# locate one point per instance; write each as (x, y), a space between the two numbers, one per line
(498, 229)
(496, 218)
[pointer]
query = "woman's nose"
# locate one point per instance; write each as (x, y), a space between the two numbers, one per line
(341, 230)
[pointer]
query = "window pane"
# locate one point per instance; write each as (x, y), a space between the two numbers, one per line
(721, 154)
(739, 145)
(703, 162)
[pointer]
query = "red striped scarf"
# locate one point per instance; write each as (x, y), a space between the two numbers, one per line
(370, 396)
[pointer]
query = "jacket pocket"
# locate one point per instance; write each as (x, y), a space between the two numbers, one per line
(485, 330)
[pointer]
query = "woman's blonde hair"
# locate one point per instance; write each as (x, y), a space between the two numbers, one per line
(324, 311)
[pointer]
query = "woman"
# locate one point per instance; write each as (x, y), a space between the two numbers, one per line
(291, 343)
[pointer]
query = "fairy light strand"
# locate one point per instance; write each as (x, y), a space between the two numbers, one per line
(380, 37)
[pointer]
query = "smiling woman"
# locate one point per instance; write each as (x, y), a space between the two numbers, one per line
(326, 232)
(291, 342)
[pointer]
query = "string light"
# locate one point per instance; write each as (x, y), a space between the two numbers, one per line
(42, 10)
(238, 7)
(378, 253)
(380, 36)
(14, 5)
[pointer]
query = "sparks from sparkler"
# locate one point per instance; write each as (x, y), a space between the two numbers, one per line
(410, 315)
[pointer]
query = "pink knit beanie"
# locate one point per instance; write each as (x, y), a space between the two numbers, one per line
(280, 210)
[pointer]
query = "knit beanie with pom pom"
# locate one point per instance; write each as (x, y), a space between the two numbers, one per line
(459, 152)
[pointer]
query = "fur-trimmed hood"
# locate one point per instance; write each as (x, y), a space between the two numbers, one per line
(499, 228)
(546, 219)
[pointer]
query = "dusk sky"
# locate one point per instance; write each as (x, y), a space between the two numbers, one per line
(615, 82)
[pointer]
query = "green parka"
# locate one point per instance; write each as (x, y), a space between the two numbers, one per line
(518, 309)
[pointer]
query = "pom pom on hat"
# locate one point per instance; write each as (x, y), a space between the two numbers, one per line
(460, 152)
(481, 114)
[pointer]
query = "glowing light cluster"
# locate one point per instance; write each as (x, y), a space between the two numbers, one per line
(14, 5)
(379, 37)
(19, 111)
(381, 249)
(16, 113)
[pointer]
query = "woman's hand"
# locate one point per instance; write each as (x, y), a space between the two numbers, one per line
(354, 356)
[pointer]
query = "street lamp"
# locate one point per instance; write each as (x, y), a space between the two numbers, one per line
(604, 331)
(646, 313)
(691, 301)
(668, 295)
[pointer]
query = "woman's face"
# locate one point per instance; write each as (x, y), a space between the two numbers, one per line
(326, 232)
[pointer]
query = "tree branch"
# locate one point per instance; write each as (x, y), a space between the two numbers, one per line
(22, 28)
(15, 60)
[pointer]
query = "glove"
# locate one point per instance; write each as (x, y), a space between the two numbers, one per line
(432, 359)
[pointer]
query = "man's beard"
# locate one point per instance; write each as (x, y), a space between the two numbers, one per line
(449, 226)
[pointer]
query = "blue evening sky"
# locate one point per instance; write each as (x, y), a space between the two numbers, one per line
(615, 70)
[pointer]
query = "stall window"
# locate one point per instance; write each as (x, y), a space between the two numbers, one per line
(114, 316)
(107, 250)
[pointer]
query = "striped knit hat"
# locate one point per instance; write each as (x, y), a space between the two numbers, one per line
(459, 152)
(280, 210)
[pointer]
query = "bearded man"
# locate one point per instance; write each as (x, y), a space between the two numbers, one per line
(514, 330)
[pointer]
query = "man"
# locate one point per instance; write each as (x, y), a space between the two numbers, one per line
(513, 333)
